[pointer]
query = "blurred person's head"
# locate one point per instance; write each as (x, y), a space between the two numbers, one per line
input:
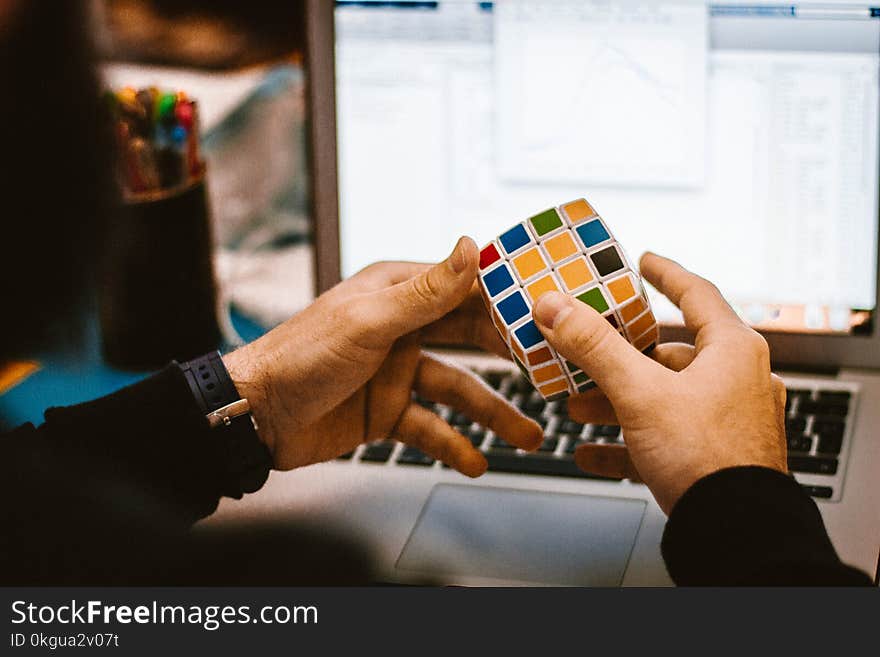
(55, 178)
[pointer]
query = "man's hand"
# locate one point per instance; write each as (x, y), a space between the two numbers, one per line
(689, 410)
(342, 371)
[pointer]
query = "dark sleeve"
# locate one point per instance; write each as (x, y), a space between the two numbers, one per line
(151, 433)
(751, 526)
(107, 482)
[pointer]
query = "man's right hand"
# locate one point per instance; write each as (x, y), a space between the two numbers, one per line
(686, 411)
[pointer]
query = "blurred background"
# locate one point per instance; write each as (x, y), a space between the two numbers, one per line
(242, 62)
(102, 287)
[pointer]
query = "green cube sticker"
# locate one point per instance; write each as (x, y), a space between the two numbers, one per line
(594, 298)
(546, 222)
(581, 378)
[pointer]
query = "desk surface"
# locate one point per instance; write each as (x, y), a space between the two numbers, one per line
(72, 378)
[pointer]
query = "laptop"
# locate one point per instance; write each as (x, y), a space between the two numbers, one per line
(738, 138)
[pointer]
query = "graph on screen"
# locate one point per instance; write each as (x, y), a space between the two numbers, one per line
(602, 94)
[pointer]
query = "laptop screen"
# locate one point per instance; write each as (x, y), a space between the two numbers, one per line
(739, 138)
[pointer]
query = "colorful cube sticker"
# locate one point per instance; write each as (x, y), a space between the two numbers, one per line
(514, 239)
(570, 249)
(560, 247)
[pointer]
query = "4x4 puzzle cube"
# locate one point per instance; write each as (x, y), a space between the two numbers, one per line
(567, 249)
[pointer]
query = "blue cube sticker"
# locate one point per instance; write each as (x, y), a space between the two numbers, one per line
(529, 335)
(515, 238)
(498, 280)
(593, 233)
(513, 308)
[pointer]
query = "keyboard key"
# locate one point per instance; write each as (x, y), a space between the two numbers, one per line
(521, 385)
(558, 408)
(800, 443)
(424, 403)
(839, 397)
(828, 427)
(573, 445)
(606, 431)
(539, 465)
(549, 445)
(821, 408)
(495, 379)
(795, 426)
(535, 415)
(414, 456)
(499, 443)
(378, 452)
(813, 464)
(570, 428)
(476, 436)
(534, 405)
(823, 492)
(830, 444)
(460, 420)
(542, 421)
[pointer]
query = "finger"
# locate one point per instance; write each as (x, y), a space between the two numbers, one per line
(373, 277)
(393, 311)
(469, 324)
(449, 384)
(606, 461)
(592, 407)
(700, 301)
(390, 388)
(421, 428)
(582, 336)
(674, 355)
(380, 275)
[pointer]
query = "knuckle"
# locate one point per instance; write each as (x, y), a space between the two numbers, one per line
(373, 268)
(350, 317)
(759, 345)
(778, 387)
(350, 322)
(424, 288)
(588, 342)
(707, 285)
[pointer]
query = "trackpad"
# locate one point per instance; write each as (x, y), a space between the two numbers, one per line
(548, 538)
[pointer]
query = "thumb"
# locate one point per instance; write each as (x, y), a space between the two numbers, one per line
(584, 337)
(426, 297)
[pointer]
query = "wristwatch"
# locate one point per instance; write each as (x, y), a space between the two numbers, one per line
(247, 460)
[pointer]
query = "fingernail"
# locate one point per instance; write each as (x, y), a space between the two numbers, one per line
(552, 308)
(457, 260)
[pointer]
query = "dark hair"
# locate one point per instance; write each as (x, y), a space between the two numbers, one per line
(55, 177)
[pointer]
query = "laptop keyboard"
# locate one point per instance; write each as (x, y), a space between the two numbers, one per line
(815, 426)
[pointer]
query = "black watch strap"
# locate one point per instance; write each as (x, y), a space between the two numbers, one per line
(247, 460)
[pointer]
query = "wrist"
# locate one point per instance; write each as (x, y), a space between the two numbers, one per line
(249, 380)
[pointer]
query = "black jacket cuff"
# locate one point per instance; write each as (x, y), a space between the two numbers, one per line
(153, 434)
(751, 526)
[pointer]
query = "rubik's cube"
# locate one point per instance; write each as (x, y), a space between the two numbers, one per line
(567, 249)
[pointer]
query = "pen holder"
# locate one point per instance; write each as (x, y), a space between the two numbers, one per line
(158, 298)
